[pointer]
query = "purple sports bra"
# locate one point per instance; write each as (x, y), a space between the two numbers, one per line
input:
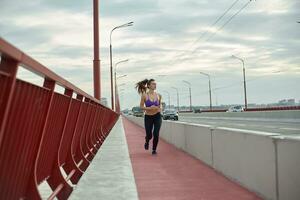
(150, 103)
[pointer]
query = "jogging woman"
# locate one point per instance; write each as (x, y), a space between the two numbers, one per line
(151, 104)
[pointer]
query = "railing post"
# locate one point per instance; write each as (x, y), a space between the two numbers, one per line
(86, 162)
(8, 66)
(89, 137)
(71, 162)
(32, 190)
(56, 177)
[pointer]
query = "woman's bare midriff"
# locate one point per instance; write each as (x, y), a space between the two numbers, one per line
(148, 112)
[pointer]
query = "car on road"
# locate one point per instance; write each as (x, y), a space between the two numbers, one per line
(170, 114)
(197, 110)
(130, 112)
(137, 112)
(235, 109)
(125, 112)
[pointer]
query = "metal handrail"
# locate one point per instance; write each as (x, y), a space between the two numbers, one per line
(7, 49)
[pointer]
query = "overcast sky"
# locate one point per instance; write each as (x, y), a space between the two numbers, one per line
(172, 38)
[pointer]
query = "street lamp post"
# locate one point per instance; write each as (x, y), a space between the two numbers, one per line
(121, 76)
(209, 88)
(115, 73)
(190, 92)
(111, 66)
(117, 91)
(123, 84)
(177, 97)
(117, 102)
(121, 97)
(168, 98)
(244, 74)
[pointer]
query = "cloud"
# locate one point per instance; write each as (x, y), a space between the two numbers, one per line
(119, 8)
(165, 34)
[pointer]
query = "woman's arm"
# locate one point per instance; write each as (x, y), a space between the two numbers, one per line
(160, 106)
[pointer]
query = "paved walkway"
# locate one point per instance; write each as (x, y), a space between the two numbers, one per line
(110, 175)
(173, 174)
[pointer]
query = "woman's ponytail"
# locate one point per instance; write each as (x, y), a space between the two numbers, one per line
(142, 86)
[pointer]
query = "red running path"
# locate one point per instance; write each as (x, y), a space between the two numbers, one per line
(173, 174)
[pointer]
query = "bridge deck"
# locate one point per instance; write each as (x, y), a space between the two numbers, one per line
(173, 174)
(124, 170)
(110, 175)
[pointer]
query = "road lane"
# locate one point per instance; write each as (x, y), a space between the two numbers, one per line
(282, 126)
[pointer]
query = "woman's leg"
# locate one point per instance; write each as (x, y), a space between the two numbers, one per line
(148, 122)
(157, 125)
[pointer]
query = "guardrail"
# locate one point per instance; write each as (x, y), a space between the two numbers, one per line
(292, 116)
(266, 163)
(44, 134)
(251, 109)
(216, 110)
(274, 108)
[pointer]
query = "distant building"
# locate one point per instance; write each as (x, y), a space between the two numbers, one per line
(283, 101)
(289, 102)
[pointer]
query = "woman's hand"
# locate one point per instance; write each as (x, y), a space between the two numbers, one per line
(156, 108)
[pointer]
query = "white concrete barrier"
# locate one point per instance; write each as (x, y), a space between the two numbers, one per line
(177, 134)
(288, 162)
(198, 142)
(165, 132)
(247, 157)
(137, 120)
(265, 163)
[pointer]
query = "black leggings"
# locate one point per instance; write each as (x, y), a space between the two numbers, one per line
(150, 121)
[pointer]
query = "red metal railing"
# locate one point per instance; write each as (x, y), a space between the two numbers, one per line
(254, 109)
(43, 132)
(274, 108)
